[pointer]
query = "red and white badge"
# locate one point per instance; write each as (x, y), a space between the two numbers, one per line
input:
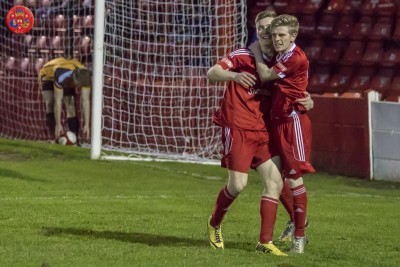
(20, 19)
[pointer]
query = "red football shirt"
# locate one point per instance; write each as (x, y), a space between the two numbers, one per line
(292, 68)
(241, 108)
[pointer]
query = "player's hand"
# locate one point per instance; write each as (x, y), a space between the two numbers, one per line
(307, 102)
(86, 132)
(245, 79)
(58, 131)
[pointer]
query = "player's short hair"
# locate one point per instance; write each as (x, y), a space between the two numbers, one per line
(268, 13)
(286, 20)
(83, 76)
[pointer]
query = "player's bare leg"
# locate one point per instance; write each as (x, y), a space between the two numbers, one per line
(237, 181)
(48, 97)
(270, 176)
(69, 103)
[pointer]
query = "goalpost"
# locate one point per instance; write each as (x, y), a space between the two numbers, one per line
(151, 98)
(97, 78)
(156, 102)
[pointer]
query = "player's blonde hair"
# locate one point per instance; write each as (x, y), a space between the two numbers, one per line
(268, 13)
(286, 20)
(83, 76)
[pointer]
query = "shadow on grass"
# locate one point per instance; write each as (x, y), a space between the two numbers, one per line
(16, 175)
(142, 238)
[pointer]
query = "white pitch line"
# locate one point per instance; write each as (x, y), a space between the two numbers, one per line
(352, 194)
(207, 177)
(349, 194)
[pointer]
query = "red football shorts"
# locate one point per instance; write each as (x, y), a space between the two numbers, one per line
(293, 137)
(245, 149)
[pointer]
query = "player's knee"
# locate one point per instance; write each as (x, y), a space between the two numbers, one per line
(294, 182)
(274, 184)
(71, 113)
(236, 187)
(234, 190)
(240, 187)
(237, 181)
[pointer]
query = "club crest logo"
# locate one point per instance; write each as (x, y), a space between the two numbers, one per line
(281, 66)
(19, 19)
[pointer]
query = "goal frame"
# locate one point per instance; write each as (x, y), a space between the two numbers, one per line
(97, 79)
(97, 151)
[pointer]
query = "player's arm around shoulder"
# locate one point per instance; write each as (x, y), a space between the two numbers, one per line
(217, 74)
(266, 74)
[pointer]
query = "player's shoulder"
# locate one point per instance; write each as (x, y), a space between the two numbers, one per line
(295, 56)
(241, 52)
(299, 52)
(237, 58)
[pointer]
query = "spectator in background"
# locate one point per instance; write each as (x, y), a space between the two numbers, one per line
(291, 127)
(59, 80)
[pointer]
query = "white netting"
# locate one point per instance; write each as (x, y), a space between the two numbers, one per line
(61, 28)
(157, 101)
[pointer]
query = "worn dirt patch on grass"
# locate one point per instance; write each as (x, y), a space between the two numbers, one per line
(12, 156)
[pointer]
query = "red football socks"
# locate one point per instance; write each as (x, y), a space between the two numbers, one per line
(286, 199)
(300, 209)
(224, 200)
(268, 209)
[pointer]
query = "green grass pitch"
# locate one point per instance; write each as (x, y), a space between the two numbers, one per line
(59, 208)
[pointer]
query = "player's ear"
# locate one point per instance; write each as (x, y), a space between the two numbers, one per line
(293, 37)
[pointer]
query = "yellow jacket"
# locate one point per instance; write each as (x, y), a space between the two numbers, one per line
(46, 73)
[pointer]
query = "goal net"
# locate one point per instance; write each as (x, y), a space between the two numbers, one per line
(157, 102)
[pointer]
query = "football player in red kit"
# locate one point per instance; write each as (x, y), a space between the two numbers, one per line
(291, 127)
(242, 116)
